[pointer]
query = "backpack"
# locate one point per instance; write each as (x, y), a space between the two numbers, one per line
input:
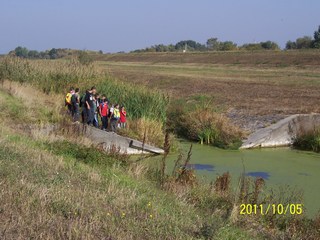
(82, 100)
(74, 99)
(68, 99)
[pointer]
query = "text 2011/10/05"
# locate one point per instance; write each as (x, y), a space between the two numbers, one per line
(264, 209)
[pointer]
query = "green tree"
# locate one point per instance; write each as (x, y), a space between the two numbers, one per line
(21, 52)
(33, 54)
(227, 46)
(213, 44)
(191, 45)
(53, 53)
(304, 42)
(316, 35)
(171, 48)
(269, 45)
(291, 45)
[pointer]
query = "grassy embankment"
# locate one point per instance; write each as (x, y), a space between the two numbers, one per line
(58, 186)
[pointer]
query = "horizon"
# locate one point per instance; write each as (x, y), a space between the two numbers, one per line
(127, 26)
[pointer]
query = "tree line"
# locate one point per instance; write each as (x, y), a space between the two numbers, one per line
(305, 42)
(213, 44)
(53, 53)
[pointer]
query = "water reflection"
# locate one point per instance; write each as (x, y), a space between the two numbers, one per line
(263, 175)
(198, 166)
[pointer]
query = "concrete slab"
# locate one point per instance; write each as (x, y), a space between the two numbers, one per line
(127, 145)
(283, 132)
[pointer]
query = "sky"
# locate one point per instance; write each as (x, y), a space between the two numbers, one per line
(125, 25)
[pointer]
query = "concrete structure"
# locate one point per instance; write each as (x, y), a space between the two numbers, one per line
(283, 132)
(109, 140)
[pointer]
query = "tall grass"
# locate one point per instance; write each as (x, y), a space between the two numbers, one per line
(58, 76)
(308, 141)
(204, 125)
(138, 100)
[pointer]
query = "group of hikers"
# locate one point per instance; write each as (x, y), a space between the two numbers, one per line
(93, 106)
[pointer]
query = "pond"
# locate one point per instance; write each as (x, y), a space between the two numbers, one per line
(278, 166)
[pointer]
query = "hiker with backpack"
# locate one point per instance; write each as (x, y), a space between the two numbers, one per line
(75, 101)
(68, 103)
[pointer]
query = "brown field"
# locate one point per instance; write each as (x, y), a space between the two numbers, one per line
(254, 83)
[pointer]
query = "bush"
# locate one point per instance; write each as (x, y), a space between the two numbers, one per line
(207, 127)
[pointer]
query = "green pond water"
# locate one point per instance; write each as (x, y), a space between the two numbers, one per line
(278, 166)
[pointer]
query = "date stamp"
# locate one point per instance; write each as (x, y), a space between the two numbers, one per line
(265, 209)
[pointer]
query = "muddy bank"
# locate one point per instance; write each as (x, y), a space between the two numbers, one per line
(251, 123)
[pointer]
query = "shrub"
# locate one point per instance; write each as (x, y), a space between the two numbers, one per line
(210, 128)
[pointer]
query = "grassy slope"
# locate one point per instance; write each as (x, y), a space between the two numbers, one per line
(263, 82)
(50, 191)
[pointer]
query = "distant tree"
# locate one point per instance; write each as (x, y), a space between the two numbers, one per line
(227, 46)
(191, 45)
(21, 52)
(171, 48)
(44, 55)
(316, 35)
(291, 45)
(160, 48)
(269, 45)
(53, 53)
(100, 52)
(33, 54)
(304, 42)
(213, 44)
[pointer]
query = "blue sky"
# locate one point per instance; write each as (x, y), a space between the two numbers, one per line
(126, 25)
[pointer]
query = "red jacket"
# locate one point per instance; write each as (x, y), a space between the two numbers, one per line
(123, 115)
(104, 109)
